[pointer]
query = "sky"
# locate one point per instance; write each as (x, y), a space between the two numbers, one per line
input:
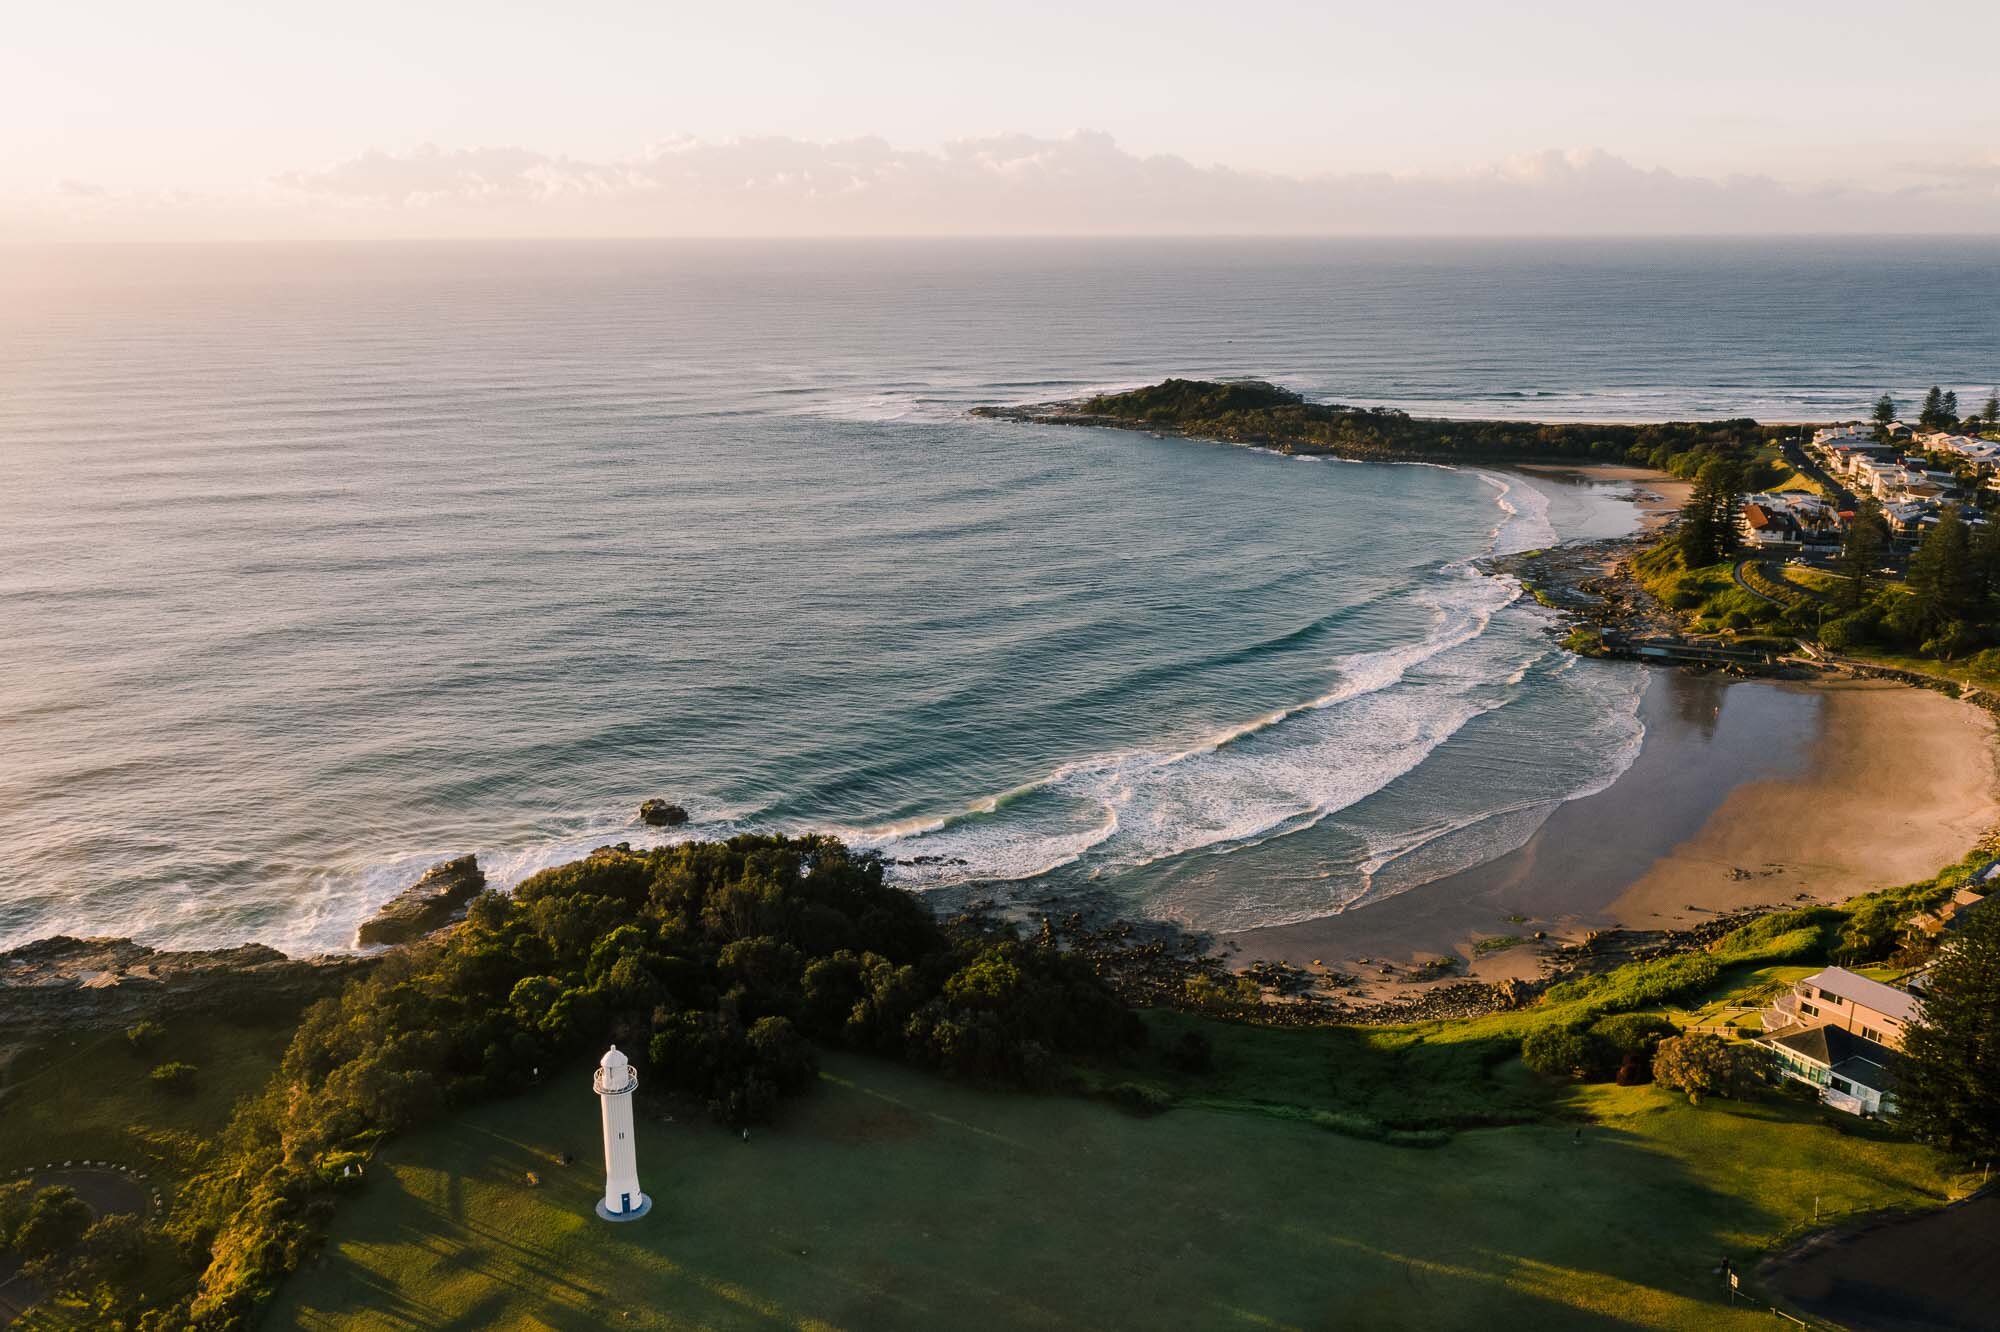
(223, 118)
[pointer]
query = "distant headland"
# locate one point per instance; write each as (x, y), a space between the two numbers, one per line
(1257, 412)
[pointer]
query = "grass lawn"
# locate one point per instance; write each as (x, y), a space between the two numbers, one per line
(90, 1098)
(892, 1199)
(1977, 670)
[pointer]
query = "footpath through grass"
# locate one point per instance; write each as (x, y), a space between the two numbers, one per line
(892, 1199)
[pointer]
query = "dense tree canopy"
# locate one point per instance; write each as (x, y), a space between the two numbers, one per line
(1255, 412)
(1950, 1086)
(721, 961)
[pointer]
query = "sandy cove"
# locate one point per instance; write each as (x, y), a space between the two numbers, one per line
(1745, 794)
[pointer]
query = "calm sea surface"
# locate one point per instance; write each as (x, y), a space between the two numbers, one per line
(317, 564)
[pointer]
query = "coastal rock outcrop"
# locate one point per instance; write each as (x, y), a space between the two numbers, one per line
(431, 901)
(99, 982)
(662, 814)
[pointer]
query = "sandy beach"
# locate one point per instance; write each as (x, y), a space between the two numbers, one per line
(1745, 793)
(1657, 495)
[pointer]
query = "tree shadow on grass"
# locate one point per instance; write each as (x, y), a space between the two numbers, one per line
(1016, 1211)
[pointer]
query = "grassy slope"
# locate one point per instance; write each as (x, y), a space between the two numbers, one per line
(891, 1199)
(90, 1098)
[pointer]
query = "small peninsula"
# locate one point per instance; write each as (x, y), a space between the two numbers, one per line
(1256, 412)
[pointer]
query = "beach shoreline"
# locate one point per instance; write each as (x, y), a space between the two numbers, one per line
(1745, 795)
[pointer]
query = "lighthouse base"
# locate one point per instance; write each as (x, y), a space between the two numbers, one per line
(643, 1206)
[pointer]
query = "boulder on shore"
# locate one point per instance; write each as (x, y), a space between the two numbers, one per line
(431, 901)
(662, 814)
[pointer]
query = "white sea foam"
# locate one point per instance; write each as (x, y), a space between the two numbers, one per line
(1609, 743)
(1525, 524)
(880, 406)
(1279, 772)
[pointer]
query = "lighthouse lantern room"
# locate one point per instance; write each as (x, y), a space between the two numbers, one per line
(615, 1082)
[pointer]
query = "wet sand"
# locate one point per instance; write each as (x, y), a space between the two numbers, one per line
(1744, 793)
(1657, 495)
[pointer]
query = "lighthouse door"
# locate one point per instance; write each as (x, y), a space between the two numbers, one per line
(624, 1202)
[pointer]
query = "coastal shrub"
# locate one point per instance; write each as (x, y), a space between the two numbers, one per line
(1632, 1039)
(1844, 634)
(144, 1036)
(1627, 1033)
(174, 1076)
(1805, 935)
(54, 1220)
(95, 1276)
(1193, 1053)
(716, 961)
(1563, 1052)
(1640, 985)
(1875, 922)
(1702, 1064)
(1139, 1099)
(16, 1196)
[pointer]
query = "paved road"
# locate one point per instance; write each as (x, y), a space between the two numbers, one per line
(1936, 1271)
(1795, 455)
(1736, 572)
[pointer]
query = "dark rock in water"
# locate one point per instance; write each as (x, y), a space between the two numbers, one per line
(426, 904)
(662, 814)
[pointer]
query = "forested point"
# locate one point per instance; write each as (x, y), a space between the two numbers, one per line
(1253, 411)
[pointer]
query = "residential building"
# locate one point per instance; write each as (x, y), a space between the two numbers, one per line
(1950, 914)
(1838, 998)
(1852, 1073)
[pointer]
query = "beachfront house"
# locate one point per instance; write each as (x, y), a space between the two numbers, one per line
(1950, 914)
(1786, 518)
(1760, 525)
(1851, 1072)
(1848, 432)
(1836, 997)
(1842, 1034)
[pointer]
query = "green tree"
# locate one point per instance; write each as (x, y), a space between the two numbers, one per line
(1949, 1091)
(174, 1076)
(95, 1271)
(1944, 590)
(1931, 415)
(1986, 563)
(1992, 409)
(56, 1220)
(1950, 406)
(1862, 547)
(1707, 532)
(1702, 1064)
(1563, 1052)
(1885, 413)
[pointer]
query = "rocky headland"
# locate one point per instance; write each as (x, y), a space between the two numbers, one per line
(434, 900)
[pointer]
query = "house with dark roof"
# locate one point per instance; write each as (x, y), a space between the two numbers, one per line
(1851, 1072)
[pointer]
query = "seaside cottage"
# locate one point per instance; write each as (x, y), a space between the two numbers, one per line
(1852, 1073)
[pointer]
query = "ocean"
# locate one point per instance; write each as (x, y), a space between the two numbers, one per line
(321, 563)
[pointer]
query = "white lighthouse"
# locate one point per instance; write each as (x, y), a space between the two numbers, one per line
(615, 1082)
